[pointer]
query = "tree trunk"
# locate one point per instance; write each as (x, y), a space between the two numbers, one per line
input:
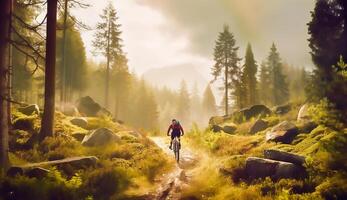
(226, 91)
(63, 98)
(5, 18)
(48, 114)
(10, 69)
(108, 64)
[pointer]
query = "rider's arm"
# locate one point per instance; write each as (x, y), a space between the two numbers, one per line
(182, 130)
(168, 130)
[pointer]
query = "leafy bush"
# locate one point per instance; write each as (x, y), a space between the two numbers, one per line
(106, 182)
(54, 186)
(325, 113)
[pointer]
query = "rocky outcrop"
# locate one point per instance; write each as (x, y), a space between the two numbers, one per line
(67, 164)
(303, 115)
(216, 120)
(282, 109)
(80, 121)
(78, 136)
(284, 132)
(88, 107)
(262, 167)
(100, 136)
(30, 109)
(229, 128)
(258, 125)
(284, 156)
(216, 128)
(252, 112)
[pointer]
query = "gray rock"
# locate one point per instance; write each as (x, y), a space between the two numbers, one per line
(15, 170)
(283, 132)
(69, 165)
(74, 162)
(100, 136)
(230, 128)
(216, 120)
(258, 125)
(284, 156)
(303, 115)
(216, 128)
(251, 112)
(79, 136)
(80, 121)
(30, 109)
(261, 168)
(37, 172)
(87, 106)
(282, 109)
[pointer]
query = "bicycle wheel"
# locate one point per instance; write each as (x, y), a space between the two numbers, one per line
(177, 151)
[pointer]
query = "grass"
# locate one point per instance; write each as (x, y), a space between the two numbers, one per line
(125, 166)
(324, 148)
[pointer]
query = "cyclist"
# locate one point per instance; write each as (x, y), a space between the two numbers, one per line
(177, 131)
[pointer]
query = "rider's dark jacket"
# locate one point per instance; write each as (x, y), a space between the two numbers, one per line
(176, 130)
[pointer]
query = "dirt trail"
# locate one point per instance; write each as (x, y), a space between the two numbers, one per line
(171, 184)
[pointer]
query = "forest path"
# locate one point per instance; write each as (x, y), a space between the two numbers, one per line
(172, 183)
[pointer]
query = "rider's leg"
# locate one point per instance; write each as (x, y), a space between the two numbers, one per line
(179, 142)
(170, 147)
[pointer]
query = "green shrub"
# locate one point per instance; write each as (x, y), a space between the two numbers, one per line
(105, 182)
(325, 113)
(52, 187)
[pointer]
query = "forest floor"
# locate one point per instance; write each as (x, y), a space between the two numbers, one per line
(171, 184)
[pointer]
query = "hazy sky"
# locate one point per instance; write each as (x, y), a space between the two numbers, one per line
(160, 33)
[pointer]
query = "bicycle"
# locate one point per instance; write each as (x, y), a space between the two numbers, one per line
(176, 148)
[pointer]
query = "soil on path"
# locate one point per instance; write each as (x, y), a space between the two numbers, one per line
(171, 185)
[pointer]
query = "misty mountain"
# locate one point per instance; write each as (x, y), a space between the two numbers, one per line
(172, 76)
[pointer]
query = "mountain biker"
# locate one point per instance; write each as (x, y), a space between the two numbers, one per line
(177, 131)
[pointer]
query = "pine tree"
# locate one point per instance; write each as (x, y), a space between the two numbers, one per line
(328, 41)
(145, 112)
(209, 102)
(5, 21)
(121, 81)
(75, 79)
(226, 60)
(279, 86)
(47, 121)
(108, 42)
(249, 80)
(264, 84)
(183, 104)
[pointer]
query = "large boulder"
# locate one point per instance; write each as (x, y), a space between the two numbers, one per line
(303, 115)
(229, 128)
(37, 172)
(88, 107)
(282, 109)
(216, 128)
(78, 136)
(252, 112)
(100, 136)
(216, 120)
(80, 121)
(30, 109)
(283, 132)
(67, 164)
(284, 156)
(262, 167)
(258, 125)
